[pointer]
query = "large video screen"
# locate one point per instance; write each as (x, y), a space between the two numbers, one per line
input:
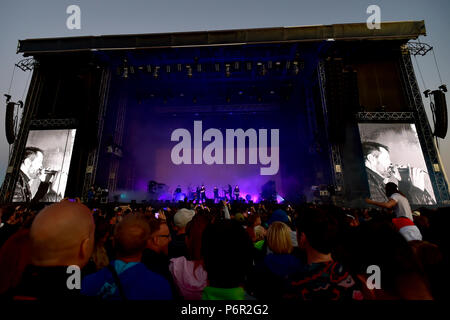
(45, 166)
(392, 153)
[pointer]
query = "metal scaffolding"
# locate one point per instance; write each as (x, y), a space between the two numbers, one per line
(334, 150)
(425, 134)
(12, 172)
(92, 160)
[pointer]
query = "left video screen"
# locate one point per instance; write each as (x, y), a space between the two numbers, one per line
(45, 164)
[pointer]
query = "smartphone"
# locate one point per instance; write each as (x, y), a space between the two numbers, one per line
(157, 215)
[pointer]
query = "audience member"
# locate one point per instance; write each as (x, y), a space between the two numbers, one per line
(126, 278)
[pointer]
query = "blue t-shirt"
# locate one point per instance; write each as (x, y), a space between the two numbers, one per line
(138, 282)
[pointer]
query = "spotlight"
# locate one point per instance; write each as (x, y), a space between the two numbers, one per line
(227, 70)
(149, 68)
(443, 87)
(189, 71)
(296, 69)
(179, 67)
(156, 72)
(217, 67)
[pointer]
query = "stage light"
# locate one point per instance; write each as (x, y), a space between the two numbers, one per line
(249, 66)
(236, 65)
(296, 69)
(156, 72)
(227, 70)
(443, 88)
(149, 68)
(179, 67)
(189, 71)
(272, 92)
(125, 72)
(240, 93)
(199, 68)
(217, 67)
(168, 68)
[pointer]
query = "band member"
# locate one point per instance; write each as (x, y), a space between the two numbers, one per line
(236, 192)
(230, 192)
(216, 194)
(203, 193)
(31, 170)
(197, 194)
(380, 171)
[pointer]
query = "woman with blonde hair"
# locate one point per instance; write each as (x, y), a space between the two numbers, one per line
(278, 264)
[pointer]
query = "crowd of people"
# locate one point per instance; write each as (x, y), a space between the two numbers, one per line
(224, 251)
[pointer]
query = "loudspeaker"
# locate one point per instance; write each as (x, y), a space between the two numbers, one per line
(440, 105)
(9, 123)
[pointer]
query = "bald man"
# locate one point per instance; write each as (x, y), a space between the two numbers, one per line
(61, 235)
(126, 278)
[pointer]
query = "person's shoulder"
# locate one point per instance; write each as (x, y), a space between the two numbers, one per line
(396, 196)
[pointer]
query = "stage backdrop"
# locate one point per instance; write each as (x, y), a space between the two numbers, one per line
(190, 149)
(392, 153)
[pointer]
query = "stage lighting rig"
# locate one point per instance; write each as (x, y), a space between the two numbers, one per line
(156, 72)
(227, 70)
(189, 71)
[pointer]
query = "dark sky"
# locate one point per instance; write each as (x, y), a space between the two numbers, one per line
(22, 19)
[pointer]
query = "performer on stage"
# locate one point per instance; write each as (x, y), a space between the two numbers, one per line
(197, 194)
(203, 194)
(216, 194)
(230, 192)
(236, 192)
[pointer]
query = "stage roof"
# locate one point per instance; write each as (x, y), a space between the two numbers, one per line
(404, 30)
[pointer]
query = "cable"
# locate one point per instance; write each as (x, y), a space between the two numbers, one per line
(420, 72)
(12, 78)
(437, 67)
(26, 85)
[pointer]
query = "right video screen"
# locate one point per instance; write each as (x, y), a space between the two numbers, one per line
(392, 153)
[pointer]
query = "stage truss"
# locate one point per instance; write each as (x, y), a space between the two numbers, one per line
(423, 127)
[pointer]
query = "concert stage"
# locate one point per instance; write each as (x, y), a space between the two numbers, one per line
(283, 113)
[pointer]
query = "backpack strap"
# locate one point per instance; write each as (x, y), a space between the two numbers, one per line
(117, 281)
